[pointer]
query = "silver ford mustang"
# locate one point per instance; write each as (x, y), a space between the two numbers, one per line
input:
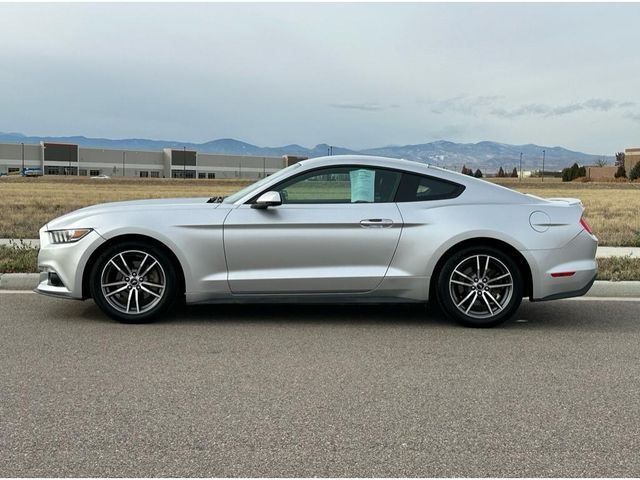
(333, 229)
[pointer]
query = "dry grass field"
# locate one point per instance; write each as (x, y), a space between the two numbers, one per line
(612, 209)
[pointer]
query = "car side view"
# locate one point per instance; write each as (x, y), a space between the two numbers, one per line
(332, 229)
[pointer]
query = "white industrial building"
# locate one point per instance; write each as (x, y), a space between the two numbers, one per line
(71, 159)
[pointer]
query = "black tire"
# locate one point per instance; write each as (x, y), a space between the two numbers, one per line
(156, 293)
(456, 282)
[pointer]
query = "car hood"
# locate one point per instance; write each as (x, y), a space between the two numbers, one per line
(71, 220)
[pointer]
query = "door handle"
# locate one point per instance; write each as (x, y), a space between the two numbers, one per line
(376, 222)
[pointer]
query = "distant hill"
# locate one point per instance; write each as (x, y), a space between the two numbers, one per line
(486, 155)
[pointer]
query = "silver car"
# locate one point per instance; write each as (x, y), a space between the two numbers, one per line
(333, 229)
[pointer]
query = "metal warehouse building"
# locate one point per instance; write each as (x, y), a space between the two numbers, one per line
(71, 159)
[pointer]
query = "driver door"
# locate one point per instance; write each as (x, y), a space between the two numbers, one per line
(335, 232)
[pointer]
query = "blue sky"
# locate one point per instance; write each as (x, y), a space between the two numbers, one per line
(355, 75)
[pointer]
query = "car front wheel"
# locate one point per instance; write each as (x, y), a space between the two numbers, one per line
(480, 287)
(133, 282)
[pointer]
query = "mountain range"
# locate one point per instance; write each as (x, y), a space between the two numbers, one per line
(485, 155)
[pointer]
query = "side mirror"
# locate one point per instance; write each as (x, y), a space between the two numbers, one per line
(268, 199)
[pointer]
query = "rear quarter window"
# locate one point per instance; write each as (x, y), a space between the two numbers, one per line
(420, 188)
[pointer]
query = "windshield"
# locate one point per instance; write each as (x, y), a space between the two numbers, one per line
(255, 186)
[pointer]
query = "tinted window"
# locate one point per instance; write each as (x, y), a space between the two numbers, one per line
(417, 188)
(341, 185)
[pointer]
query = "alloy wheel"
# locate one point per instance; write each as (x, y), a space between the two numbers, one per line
(481, 286)
(133, 282)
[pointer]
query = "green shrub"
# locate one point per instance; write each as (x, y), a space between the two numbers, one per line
(620, 172)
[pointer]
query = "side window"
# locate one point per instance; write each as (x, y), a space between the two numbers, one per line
(341, 185)
(418, 188)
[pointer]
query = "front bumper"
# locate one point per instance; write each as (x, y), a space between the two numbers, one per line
(577, 256)
(62, 265)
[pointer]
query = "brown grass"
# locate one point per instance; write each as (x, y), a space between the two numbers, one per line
(619, 268)
(612, 209)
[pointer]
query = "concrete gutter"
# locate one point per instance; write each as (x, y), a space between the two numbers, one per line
(601, 288)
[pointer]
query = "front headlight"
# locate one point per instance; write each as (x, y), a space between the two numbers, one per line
(68, 236)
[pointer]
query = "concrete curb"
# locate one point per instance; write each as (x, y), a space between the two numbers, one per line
(601, 288)
(19, 281)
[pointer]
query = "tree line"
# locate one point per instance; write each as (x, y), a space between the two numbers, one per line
(478, 173)
(575, 171)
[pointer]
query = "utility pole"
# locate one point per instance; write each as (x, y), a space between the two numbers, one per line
(22, 158)
(264, 167)
(543, 155)
(124, 154)
(184, 163)
(520, 167)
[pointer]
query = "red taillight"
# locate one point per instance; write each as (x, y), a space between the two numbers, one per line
(585, 225)
(562, 274)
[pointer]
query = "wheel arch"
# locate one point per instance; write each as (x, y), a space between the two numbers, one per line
(518, 258)
(125, 238)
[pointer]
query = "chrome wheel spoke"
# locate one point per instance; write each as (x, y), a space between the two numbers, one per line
(125, 264)
(149, 268)
(149, 284)
(462, 283)
(129, 300)
(137, 301)
(475, 297)
(486, 267)
(463, 275)
(116, 291)
(484, 297)
(142, 263)
(499, 278)
(465, 299)
(113, 284)
(502, 285)
(117, 267)
(142, 287)
(500, 307)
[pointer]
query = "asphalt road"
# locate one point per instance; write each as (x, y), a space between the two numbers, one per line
(319, 391)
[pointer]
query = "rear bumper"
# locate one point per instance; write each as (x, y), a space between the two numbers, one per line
(575, 293)
(577, 256)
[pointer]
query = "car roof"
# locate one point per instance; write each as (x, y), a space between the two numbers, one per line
(398, 163)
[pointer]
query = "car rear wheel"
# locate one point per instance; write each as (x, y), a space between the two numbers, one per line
(133, 282)
(480, 287)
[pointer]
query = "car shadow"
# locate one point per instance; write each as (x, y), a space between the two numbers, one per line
(387, 314)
